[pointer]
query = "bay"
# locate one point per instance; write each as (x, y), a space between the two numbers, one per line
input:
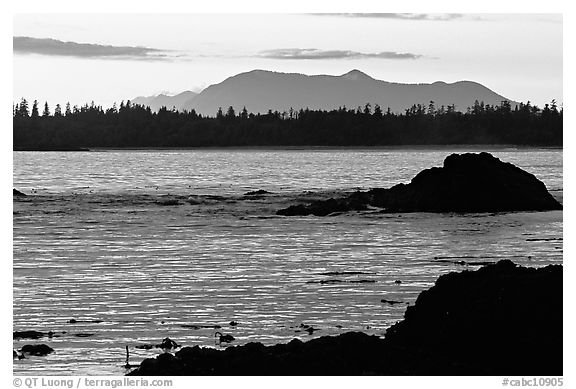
(142, 245)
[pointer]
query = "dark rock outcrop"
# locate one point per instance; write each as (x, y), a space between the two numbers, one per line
(39, 350)
(168, 344)
(466, 183)
(502, 319)
(28, 334)
(17, 193)
(259, 192)
(499, 320)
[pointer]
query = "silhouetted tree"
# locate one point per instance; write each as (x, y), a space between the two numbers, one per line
(367, 109)
(244, 113)
(46, 111)
(34, 113)
(431, 108)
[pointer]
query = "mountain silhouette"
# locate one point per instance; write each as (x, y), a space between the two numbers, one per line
(162, 100)
(261, 90)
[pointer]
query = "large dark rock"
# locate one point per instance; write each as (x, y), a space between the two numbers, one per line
(466, 183)
(502, 319)
(17, 193)
(499, 320)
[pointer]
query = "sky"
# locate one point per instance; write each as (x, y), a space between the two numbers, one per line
(108, 58)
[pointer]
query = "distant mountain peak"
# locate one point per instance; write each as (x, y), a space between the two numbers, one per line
(356, 74)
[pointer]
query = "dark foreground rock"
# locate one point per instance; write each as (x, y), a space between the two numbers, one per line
(466, 183)
(502, 319)
(17, 193)
(499, 320)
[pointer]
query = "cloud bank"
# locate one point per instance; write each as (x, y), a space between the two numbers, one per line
(331, 54)
(54, 47)
(400, 16)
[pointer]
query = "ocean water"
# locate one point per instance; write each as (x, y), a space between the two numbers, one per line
(142, 245)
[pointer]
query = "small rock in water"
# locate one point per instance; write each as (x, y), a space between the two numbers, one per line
(258, 192)
(362, 281)
(144, 346)
(391, 302)
(168, 344)
(74, 321)
(168, 202)
(224, 338)
(39, 350)
(27, 334)
(233, 323)
(17, 354)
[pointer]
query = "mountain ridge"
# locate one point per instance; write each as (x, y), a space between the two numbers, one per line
(262, 90)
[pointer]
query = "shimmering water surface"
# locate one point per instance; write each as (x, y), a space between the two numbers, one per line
(149, 243)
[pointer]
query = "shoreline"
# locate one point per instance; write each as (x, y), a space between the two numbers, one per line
(472, 147)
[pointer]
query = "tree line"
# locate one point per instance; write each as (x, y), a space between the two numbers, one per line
(132, 125)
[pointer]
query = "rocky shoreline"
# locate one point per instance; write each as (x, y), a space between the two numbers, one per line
(502, 319)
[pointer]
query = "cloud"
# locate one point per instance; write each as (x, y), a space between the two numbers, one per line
(400, 16)
(54, 47)
(331, 54)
